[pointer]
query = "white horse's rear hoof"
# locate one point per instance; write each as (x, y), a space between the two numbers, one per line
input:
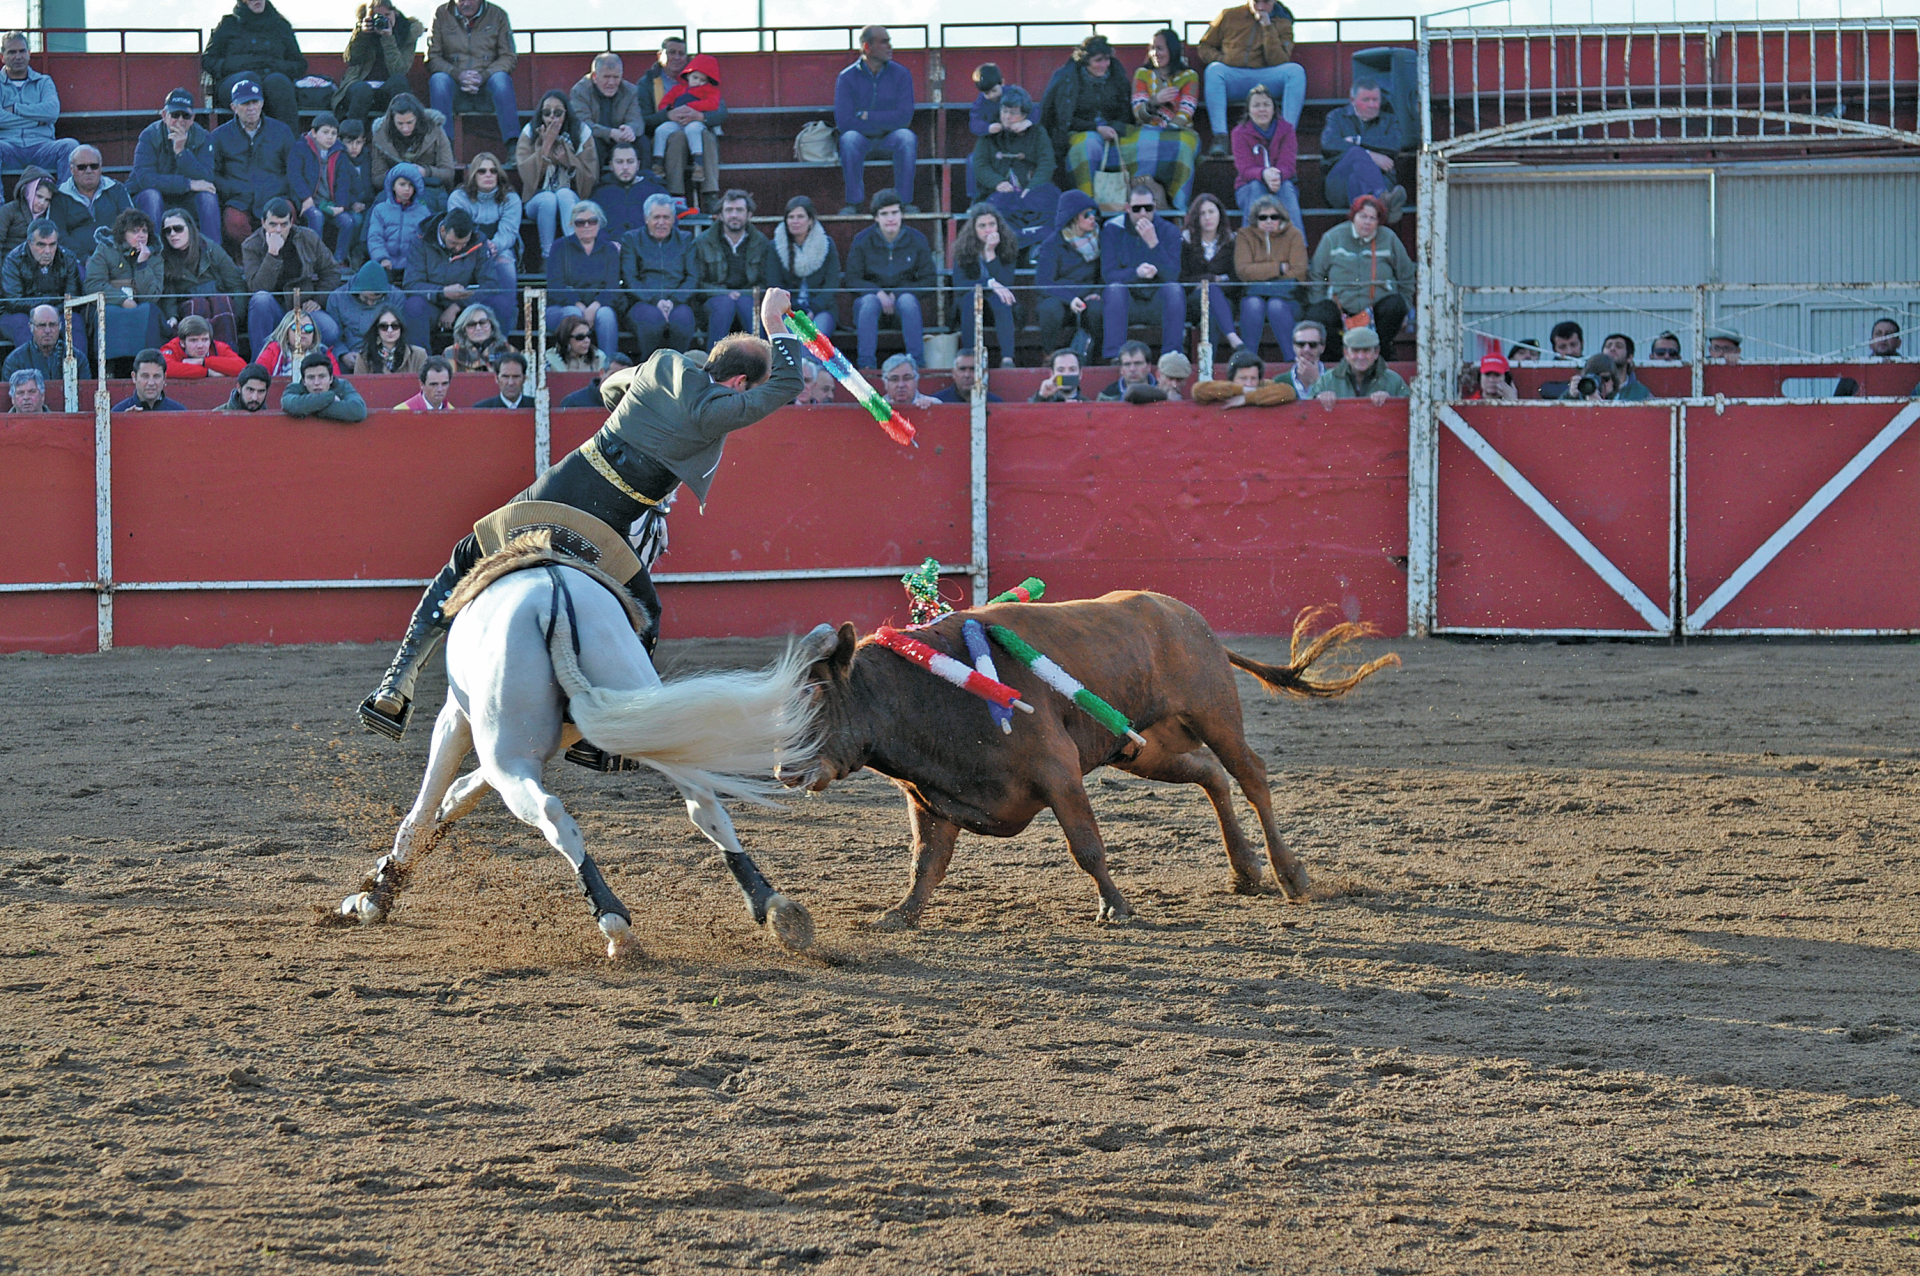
(363, 908)
(790, 921)
(619, 934)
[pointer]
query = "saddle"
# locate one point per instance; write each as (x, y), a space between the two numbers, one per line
(535, 546)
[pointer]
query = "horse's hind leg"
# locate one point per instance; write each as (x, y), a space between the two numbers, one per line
(789, 920)
(520, 789)
(1202, 768)
(452, 741)
(463, 797)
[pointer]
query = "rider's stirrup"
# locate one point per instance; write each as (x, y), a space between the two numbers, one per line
(584, 754)
(380, 722)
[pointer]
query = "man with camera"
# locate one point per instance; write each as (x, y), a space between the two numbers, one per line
(379, 53)
(1064, 385)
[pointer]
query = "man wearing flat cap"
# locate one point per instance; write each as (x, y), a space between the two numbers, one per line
(1360, 374)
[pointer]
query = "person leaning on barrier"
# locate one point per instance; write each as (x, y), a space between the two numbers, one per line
(173, 166)
(1360, 374)
(1135, 370)
(29, 105)
(900, 376)
(27, 391)
(510, 378)
(1064, 385)
(256, 45)
(40, 272)
(249, 390)
(471, 50)
(1665, 348)
(1246, 385)
(961, 391)
(379, 54)
(319, 393)
(1723, 345)
(873, 102)
(149, 386)
(436, 378)
(1245, 46)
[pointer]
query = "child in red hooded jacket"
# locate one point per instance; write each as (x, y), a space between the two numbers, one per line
(699, 88)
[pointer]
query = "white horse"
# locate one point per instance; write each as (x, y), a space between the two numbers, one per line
(513, 672)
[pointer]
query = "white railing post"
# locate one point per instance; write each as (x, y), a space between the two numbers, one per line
(536, 323)
(1431, 287)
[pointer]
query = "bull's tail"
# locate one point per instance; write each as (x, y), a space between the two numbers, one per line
(1294, 680)
(725, 732)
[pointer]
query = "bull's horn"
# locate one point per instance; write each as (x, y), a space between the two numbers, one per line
(818, 643)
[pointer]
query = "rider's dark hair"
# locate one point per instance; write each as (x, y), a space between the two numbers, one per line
(741, 354)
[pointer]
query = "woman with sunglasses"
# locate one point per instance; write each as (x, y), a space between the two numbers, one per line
(583, 277)
(491, 203)
(126, 267)
(198, 278)
(1270, 260)
(294, 338)
(573, 348)
(476, 340)
(1206, 261)
(558, 165)
(173, 167)
(386, 348)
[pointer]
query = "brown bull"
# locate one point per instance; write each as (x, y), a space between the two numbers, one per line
(1151, 657)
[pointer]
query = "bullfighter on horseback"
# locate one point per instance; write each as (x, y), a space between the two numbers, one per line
(667, 422)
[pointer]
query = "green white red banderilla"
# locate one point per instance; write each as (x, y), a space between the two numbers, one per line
(946, 668)
(1065, 683)
(898, 428)
(1027, 591)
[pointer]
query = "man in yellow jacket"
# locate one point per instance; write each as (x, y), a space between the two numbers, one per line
(1247, 45)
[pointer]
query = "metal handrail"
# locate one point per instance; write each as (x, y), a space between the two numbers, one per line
(768, 38)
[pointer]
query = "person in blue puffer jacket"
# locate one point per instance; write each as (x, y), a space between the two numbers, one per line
(393, 223)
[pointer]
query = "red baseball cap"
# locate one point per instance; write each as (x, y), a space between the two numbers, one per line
(1493, 363)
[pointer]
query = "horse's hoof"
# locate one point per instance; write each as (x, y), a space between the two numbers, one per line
(790, 922)
(363, 908)
(897, 919)
(618, 932)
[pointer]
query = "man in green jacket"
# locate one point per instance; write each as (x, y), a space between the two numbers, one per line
(1360, 374)
(730, 260)
(667, 421)
(321, 394)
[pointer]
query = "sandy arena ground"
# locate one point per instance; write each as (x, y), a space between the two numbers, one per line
(1613, 968)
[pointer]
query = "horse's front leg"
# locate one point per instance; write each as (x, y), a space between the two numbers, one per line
(520, 788)
(452, 741)
(789, 920)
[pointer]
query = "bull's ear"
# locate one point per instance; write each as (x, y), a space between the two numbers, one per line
(849, 637)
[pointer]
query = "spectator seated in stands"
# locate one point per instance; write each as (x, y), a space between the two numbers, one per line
(730, 261)
(1088, 112)
(32, 198)
(193, 354)
(255, 45)
(379, 54)
(1244, 47)
(609, 104)
(1206, 261)
(1136, 368)
(27, 391)
(662, 78)
(353, 305)
(1246, 385)
(1165, 93)
(583, 278)
(1064, 385)
(46, 352)
(1309, 343)
(149, 386)
(965, 369)
(471, 51)
(173, 167)
(126, 267)
(478, 343)
(1665, 349)
(983, 119)
(873, 110)
(1270, 260)
(1630, 389)
(251, 157)
(623, 191)
(353, 141)
(657, 263)
(1598, 381)
(699, 89)
(1569, 342)
(436, 378)
(1359, 270)
(1066, 270)
(408, 134)
(29, 105)
(900, 379)
(1494, 381)
(40, 272)
(1357, 150)
(296, 337)
(87, 202)
(320, 393)
(574, 348)
(558, 164)
(889, 268)
(249, 391)
(1883, 340)
(510, 378)
(1174, 368)
(806, 262)
(278, 261)
(1266, 159)
(1015, 164)
(816, 384)
(494, 207)
(1360, 374)
(385, 349)
(326, 186)
(393, 223)
(449, 267)
(984, 254)
(1140, 261)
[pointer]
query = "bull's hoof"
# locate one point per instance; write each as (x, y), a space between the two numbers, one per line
(1255, 885)
(897, 919)
(1115, 912)
(1296, 884)
(790, 922)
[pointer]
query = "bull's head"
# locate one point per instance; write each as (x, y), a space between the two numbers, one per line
(839, 720)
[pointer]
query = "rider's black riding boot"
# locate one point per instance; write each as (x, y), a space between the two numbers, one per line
(388, 710)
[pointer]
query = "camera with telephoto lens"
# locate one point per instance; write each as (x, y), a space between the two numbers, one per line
(381, 22)
(1585, 388)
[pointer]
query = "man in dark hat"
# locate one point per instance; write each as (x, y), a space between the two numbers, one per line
(173, 167)
(667, 421)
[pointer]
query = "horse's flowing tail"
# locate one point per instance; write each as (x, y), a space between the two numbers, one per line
(1294, 680)
(724, 732)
